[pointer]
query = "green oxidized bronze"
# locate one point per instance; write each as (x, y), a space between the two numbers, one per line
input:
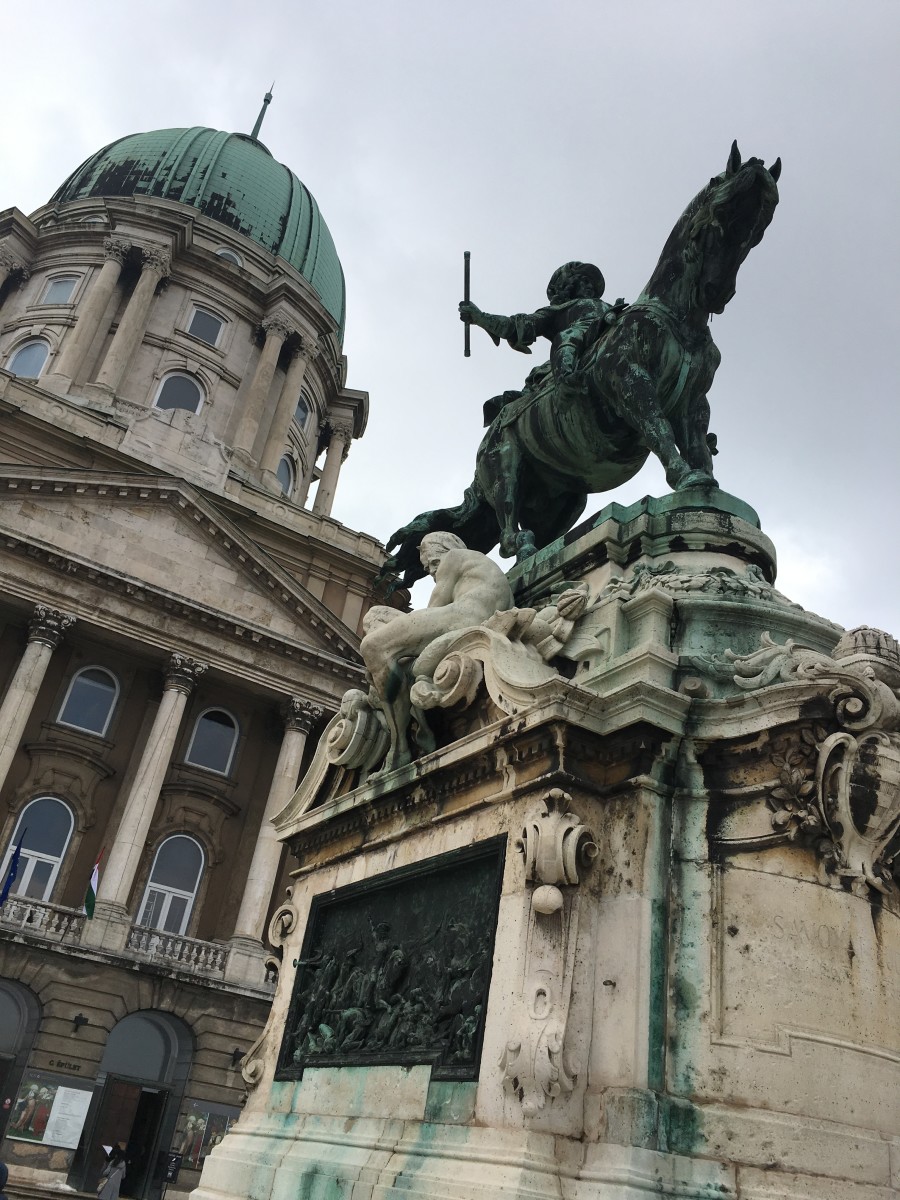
(622, 382)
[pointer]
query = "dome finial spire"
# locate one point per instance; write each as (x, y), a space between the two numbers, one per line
(267, 100)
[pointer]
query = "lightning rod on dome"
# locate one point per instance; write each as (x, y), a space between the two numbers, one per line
(267, 100)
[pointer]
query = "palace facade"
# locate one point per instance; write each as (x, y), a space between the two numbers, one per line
(179, 616)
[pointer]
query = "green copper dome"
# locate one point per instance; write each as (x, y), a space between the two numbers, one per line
(229, 177)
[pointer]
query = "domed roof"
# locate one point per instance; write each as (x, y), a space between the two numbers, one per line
(229, 177)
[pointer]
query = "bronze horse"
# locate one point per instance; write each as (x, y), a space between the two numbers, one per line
(644, 382)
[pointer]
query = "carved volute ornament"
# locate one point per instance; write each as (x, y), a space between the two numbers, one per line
(283, 923)
(839, 793)
(116, 249)
(556, 847)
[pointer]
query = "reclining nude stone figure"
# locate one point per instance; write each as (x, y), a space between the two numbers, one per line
(468, 589)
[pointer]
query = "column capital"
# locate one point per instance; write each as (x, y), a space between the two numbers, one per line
(48, 625)
(300, 714)
(341, 431)
(116, 248)
(182, 673)
(278, 325)
(11, 262)
(157, 258)
(307, 349)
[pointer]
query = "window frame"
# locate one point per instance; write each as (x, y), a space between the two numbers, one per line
(169, 893)
(112, 708)
(54, 279)
(288, 492)
(35, 856)
(229, 255)
(226, 774)
(24, 345)
(208, 312)
(305, 399)
(179, 373)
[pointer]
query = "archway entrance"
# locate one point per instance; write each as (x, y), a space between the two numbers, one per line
(142, 1076)
(20, 1014)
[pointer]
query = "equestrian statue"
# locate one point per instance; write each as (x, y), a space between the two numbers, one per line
(623, 382)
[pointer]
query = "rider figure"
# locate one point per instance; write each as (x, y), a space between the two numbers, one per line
(575, 317)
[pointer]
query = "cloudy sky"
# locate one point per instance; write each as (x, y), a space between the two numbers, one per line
(532, 133)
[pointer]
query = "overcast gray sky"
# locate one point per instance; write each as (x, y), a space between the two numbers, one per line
(532, 133)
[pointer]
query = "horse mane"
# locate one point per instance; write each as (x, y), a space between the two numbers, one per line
(670, 265)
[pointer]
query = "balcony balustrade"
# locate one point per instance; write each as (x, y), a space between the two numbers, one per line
(176, 950)
(49, 921)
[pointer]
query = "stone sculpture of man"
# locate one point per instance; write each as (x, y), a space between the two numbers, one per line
(468, 588)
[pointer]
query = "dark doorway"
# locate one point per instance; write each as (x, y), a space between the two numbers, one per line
(142, 1072)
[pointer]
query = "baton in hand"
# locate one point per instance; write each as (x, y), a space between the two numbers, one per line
(466, 258)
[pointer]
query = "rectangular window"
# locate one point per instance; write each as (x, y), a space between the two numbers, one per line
(205, 326)
(59, 291)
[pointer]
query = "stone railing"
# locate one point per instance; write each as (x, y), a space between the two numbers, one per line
(45, 920)
(177, 951)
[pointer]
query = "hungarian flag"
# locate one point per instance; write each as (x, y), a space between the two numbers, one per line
(90, 895)
(13, 869)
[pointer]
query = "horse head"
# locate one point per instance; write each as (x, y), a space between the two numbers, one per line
(714, 235)
(734, 212)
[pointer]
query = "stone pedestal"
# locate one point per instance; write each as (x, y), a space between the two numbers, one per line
(694, 937)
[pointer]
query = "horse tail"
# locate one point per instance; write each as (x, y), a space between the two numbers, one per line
(474, 521)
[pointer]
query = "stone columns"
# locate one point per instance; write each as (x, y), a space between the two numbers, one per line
(134, 320)
(278, 330)
(76, 345)
(341, 435)
(45, 631)
(130, 837)
(287, 406)
(245, 960)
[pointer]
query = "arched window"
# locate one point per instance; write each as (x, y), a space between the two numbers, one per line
(179, 391)
(90, 700)
(213, 741)
(60, 289)
(286, 475)
(45, 827)
(30, 359)
(172, 886)
(231, 256)
(302, 411)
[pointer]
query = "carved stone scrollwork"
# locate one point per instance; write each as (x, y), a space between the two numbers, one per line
(839, 793)
(283, 923)
(48, 625)
(555, 844)
(357, 736)
(11, 264)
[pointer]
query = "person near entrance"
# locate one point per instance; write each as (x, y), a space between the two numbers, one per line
(4, 1175)
(111, 1175)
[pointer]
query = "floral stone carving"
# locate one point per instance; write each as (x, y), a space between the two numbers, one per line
(555, 845)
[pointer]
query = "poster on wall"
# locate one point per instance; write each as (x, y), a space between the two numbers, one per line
(48, 1109)
(204, 1127)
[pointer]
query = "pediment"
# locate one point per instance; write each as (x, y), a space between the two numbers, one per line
(161, 537)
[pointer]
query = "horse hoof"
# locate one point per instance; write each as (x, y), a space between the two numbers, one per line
(525, 548)
(696, 479)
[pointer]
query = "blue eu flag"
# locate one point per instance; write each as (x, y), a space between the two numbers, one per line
(13, 869)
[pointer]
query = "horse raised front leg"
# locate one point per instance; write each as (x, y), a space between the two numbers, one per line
(636, 403)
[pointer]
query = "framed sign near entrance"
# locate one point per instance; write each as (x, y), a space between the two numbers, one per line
(50, 1109)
